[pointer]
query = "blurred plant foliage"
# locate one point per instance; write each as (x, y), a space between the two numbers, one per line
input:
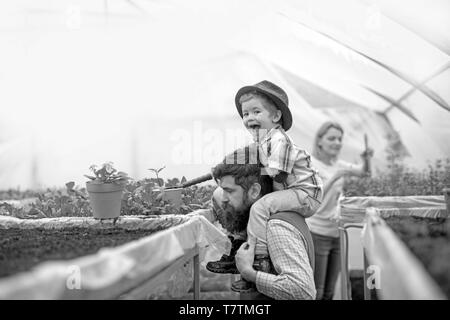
(401, 180)
(139, 198)
(17, 194)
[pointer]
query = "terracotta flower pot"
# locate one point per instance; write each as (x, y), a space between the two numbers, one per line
(105, 199)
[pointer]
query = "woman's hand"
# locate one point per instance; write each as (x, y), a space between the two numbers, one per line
(367, 154)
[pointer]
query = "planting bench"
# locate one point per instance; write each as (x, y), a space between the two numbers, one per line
(402, 275)
(160, 263)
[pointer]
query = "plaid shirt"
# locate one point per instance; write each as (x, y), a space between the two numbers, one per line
(278, 152)
(289, 255)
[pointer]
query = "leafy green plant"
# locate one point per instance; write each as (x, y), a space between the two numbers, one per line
(17, 194)
(143, 197)
(140, 198)
(67, 202)
(107, 174)
(400, 180)
(158, 179)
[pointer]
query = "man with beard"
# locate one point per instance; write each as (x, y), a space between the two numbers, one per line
(288, 274)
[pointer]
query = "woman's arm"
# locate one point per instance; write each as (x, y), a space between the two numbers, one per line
(339, 174)
(358, 171)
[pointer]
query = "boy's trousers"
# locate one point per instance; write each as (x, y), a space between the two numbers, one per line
(285, 200)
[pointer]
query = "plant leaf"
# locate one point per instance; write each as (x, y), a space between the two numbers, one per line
(160, 169)
(70, 185)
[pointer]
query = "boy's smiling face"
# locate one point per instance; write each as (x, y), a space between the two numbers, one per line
(258, 115)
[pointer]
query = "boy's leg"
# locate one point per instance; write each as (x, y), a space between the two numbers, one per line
(291, 200)
(257, 225)
(227, 263)
(256, 228)
(277, 201)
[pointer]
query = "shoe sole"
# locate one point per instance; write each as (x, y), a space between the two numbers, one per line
(243, 291)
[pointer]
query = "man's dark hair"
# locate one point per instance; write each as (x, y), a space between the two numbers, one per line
(243, 164)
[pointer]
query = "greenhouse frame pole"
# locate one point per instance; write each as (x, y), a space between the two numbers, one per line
(344, 273)
(343, 241)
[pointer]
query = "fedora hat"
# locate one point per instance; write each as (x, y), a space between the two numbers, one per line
(274, 93)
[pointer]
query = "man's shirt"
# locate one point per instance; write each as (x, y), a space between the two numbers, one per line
(289, 255)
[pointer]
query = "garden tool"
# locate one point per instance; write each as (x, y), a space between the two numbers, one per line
(366, 158)
(192, 182)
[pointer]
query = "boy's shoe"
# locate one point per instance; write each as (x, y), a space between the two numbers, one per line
(264, 264)
(261, 263)
(226, 264)
(243, 286)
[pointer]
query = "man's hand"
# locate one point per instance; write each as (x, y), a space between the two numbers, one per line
(244, 259)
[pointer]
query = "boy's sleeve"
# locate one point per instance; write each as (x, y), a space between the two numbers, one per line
(281, 155)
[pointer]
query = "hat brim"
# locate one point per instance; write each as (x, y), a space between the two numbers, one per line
(286, 113)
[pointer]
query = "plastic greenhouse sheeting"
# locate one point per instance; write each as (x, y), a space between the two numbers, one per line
(402, 276)
(113, 271)
(159, 78)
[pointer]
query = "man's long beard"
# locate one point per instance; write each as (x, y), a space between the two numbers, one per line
(234, 220)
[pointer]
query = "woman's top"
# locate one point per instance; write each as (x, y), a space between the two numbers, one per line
(322, 222)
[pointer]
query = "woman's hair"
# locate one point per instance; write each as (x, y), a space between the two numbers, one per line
(317, 151)
(243, 164)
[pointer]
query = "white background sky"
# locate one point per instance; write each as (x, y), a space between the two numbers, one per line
(85, 82)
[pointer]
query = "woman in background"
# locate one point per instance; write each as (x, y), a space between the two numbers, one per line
(324, 229)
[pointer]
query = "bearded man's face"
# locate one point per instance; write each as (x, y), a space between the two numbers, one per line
(235, 205)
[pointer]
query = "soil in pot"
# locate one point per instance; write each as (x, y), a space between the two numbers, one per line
(22, 249)
(429, 240)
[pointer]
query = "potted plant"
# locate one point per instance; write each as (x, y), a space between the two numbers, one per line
(105, 190)
(171, 194)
